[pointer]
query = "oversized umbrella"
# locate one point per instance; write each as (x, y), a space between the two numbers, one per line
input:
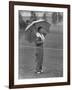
(30, 31)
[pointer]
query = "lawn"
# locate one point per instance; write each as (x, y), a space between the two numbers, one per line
(53, 55)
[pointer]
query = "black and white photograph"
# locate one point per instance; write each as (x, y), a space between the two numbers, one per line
(40, 45)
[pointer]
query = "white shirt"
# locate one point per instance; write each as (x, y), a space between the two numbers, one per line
(40, 35)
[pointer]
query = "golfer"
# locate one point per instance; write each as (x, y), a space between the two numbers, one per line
(40, 38)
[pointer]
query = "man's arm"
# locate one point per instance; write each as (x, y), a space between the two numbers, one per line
(39, 41)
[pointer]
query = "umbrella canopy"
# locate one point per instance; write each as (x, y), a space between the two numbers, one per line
(30, 31)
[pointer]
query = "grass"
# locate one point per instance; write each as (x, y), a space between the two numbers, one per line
(53, 55)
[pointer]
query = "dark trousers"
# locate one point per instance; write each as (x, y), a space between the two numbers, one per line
(39, 57)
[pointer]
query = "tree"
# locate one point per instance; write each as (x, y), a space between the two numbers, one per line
(54, 17)
(22, 24)
(44, 16)
(33, 16)
(60, 17)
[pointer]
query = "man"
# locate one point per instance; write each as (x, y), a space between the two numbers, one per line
(40, 38)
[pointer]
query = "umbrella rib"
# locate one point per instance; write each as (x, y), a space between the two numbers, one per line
(33, 23)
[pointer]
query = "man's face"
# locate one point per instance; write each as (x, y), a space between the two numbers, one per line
(43, 31)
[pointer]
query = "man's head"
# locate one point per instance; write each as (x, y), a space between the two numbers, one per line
(42, 30)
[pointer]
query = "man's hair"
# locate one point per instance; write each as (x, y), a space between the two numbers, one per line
(39, 28)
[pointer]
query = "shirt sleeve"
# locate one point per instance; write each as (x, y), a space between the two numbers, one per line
(37, 34)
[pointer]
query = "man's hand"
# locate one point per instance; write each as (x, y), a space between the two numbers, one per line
(39, 40)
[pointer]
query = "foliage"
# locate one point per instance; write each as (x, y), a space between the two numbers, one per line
(22, 24)
(33, 16)
(56, 17)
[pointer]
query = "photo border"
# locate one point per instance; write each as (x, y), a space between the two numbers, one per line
(11, 43)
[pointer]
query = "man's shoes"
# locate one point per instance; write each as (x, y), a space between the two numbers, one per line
(41, 71)
(38, 72)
